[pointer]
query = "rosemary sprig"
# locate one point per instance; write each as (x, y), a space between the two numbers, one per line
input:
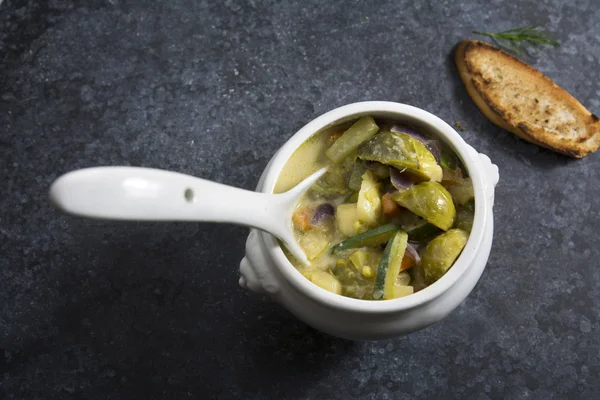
(515, 40)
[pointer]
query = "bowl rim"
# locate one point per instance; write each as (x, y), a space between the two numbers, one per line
(441, 130)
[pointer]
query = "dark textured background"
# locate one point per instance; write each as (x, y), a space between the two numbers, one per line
(98, 310)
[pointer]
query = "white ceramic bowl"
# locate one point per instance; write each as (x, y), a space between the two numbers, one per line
(265, 268)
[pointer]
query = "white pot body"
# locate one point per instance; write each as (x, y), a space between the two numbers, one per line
(265, 269)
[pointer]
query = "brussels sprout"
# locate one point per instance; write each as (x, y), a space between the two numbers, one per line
(429, 200)
(441, 252)
(401, 151)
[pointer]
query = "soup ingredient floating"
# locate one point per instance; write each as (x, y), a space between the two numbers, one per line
(522, 100)
(391, 215)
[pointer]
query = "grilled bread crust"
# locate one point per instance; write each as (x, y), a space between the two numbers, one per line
(522, 100)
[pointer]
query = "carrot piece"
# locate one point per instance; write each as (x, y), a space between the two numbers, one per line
(301, 219)
(390, 207)
(407, 262)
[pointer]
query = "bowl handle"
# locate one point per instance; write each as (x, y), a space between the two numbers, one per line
(256, 268)
(490, 171)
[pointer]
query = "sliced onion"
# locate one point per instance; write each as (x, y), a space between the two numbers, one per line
(412, 252)
(416, 245)
(322, 212)
(400, 180)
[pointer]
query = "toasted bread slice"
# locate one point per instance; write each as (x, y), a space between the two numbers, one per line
(522, 100)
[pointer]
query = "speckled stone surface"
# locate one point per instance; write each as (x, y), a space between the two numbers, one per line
(98, 310)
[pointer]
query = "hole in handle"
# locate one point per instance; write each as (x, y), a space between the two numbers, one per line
(189, 195)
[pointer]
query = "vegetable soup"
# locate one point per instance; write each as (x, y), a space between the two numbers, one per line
(390, 216)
